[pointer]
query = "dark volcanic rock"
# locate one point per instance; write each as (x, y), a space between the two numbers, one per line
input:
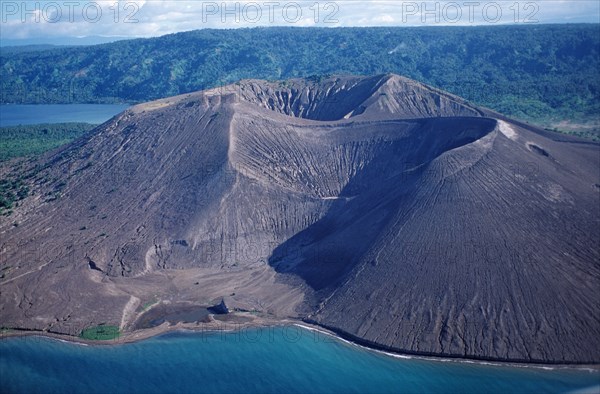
(400, 214)
(220, 309)
(93, 266)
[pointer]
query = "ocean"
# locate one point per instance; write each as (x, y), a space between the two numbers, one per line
(18, 114)
(259, 360)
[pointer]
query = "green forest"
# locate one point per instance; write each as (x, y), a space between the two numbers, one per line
(544, 74)
(29, 140)
(17, 141)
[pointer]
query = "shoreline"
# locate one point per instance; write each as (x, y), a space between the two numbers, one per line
(365, 343)
(445, 359)
(226, 327)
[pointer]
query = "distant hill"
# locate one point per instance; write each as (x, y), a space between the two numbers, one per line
(58, 41)
(546, 73)
(28, 48)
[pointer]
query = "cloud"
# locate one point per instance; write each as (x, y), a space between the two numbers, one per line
(144, 18)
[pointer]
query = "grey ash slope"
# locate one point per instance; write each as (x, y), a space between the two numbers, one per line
(382, 208)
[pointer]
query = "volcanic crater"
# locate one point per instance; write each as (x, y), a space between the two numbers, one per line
(388, 211)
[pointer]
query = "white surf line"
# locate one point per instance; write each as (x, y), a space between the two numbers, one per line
(65, 341)
(444, 359)
(338, 338)
(507, 130)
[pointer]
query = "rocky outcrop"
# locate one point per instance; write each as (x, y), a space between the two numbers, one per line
(221, 308)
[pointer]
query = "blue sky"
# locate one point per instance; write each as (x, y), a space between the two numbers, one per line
(36, 21)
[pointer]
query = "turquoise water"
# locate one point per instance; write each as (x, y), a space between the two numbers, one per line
(266, 360)
(16, 114)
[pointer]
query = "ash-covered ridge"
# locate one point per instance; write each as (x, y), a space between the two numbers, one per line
(389, 211)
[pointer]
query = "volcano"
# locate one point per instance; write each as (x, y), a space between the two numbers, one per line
(390, 212)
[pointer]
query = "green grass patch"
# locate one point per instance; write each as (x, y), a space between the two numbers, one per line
(100, 333)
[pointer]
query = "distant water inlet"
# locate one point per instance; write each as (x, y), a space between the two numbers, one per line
(258, 360)
(17, 114)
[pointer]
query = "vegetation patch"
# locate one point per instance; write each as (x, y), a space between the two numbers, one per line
(31, 140)
(12, 190)
(19, 141)
(101, 333)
